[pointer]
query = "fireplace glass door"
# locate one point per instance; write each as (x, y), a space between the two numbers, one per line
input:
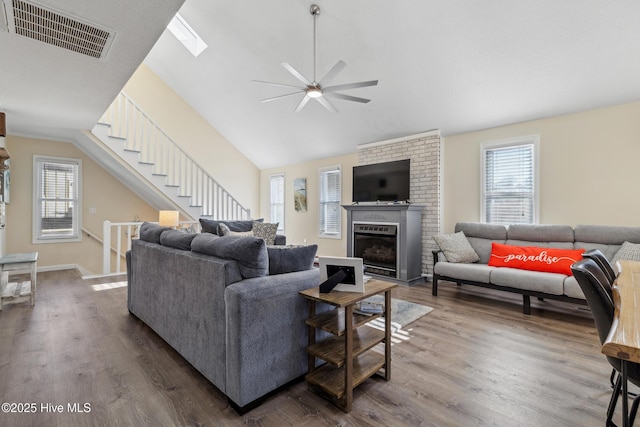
(377, 245)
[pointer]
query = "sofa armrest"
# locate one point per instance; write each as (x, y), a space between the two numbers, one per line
(266, 334)
(281, 239)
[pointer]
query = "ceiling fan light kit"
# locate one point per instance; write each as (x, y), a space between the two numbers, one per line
(317, 90)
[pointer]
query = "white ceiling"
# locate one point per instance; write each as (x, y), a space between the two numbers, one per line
(452, 65)
(50, 92)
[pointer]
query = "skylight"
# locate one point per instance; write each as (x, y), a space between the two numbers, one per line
(183, 32)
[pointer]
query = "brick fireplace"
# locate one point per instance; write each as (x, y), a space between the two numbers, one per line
(424, 150)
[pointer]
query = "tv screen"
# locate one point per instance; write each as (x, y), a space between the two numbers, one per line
(382, 182)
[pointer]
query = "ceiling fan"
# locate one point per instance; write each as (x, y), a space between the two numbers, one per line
(318, 90)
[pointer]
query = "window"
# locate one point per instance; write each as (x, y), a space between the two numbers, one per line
(330, 197)
(276, 201)
(509, 181)
(56, 191)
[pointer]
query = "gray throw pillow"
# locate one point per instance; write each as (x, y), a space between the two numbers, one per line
(211, 225)
(628, 251)
(265, 231)
(456, 247)
(249, 252)
(224, 230)
(151, 232)
(176, 239)
(287, 259)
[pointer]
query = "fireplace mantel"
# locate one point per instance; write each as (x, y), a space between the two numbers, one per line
(408, 218)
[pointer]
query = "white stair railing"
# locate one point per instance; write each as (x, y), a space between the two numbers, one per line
(140, 134)
(129, 231)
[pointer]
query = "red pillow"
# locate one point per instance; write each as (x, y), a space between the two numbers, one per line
(551, 260)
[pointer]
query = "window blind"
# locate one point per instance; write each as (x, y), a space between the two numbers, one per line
(277, 200)
(57, 199)
(509, 184)
(330, 197)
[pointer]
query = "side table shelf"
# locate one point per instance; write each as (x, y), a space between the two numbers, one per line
(348, 361)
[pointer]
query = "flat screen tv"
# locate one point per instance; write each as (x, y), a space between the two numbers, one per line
(381, 182)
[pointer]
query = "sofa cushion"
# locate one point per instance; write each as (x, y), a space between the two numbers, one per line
(628, 251)
(473, 272)
(151, 232)
(572, 288)
(607, 234)
(211, 225)
(540, 233)
(482, 230)
(177, 239)
(551, 260)
(537, 281)
(456, 247)
(287, 259)
(250, 252)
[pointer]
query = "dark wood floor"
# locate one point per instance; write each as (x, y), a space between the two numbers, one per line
(475, 360)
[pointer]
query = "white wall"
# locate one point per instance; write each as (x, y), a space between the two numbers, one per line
(201, 141)
(100, 190)
(303, 226)
(589, 168)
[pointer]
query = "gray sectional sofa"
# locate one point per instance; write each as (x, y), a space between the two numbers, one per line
(608, 239)
(229, 305)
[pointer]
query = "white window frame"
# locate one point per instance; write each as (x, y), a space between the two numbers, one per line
(277, 200)
(75, 199)
(336, 233)
(532, 140)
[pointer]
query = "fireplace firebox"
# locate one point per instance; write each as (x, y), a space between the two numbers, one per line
(388, 238)
(377, 245)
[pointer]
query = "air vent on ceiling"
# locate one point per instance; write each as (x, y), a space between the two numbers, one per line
(56, 28)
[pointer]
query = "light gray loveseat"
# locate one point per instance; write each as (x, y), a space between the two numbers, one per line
(215, 302)
(608, 239)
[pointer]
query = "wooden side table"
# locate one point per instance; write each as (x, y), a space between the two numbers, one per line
(348, 361)
(11, 293)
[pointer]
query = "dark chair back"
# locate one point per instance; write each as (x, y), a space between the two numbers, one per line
(603, 263)
(594, 284)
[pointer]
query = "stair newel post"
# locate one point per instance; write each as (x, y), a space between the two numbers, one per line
(106, 247)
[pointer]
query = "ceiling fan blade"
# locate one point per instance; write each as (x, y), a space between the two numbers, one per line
(279, 84)
(302, 103)
(326, 104)
(347, 97)
(281, 96)
(350, 86)
(297, 74)
(333, 72)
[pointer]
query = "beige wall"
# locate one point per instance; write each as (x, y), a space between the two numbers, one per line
(301, 226)
(201, 141)
(589, 168)
(100, 190)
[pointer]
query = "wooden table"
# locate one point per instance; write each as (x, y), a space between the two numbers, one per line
(15, 292)
(348, 361)
(623, 341)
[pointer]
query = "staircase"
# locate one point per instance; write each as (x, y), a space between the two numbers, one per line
(149, 154)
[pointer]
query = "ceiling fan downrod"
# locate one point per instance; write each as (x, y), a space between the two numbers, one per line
(315, 11)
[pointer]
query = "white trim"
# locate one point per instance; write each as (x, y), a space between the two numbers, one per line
(512, 142)
(321, 170)
(38, 158)
(435, 132)
(281, 225)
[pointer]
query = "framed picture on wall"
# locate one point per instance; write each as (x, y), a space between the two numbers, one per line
(5, 181)
(300, 194)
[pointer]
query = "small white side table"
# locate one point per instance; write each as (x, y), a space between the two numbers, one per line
(14, 292)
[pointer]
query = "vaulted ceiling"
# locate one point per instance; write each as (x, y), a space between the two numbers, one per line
(456, 66)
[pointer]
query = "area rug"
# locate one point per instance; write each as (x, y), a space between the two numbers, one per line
(402, 313)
